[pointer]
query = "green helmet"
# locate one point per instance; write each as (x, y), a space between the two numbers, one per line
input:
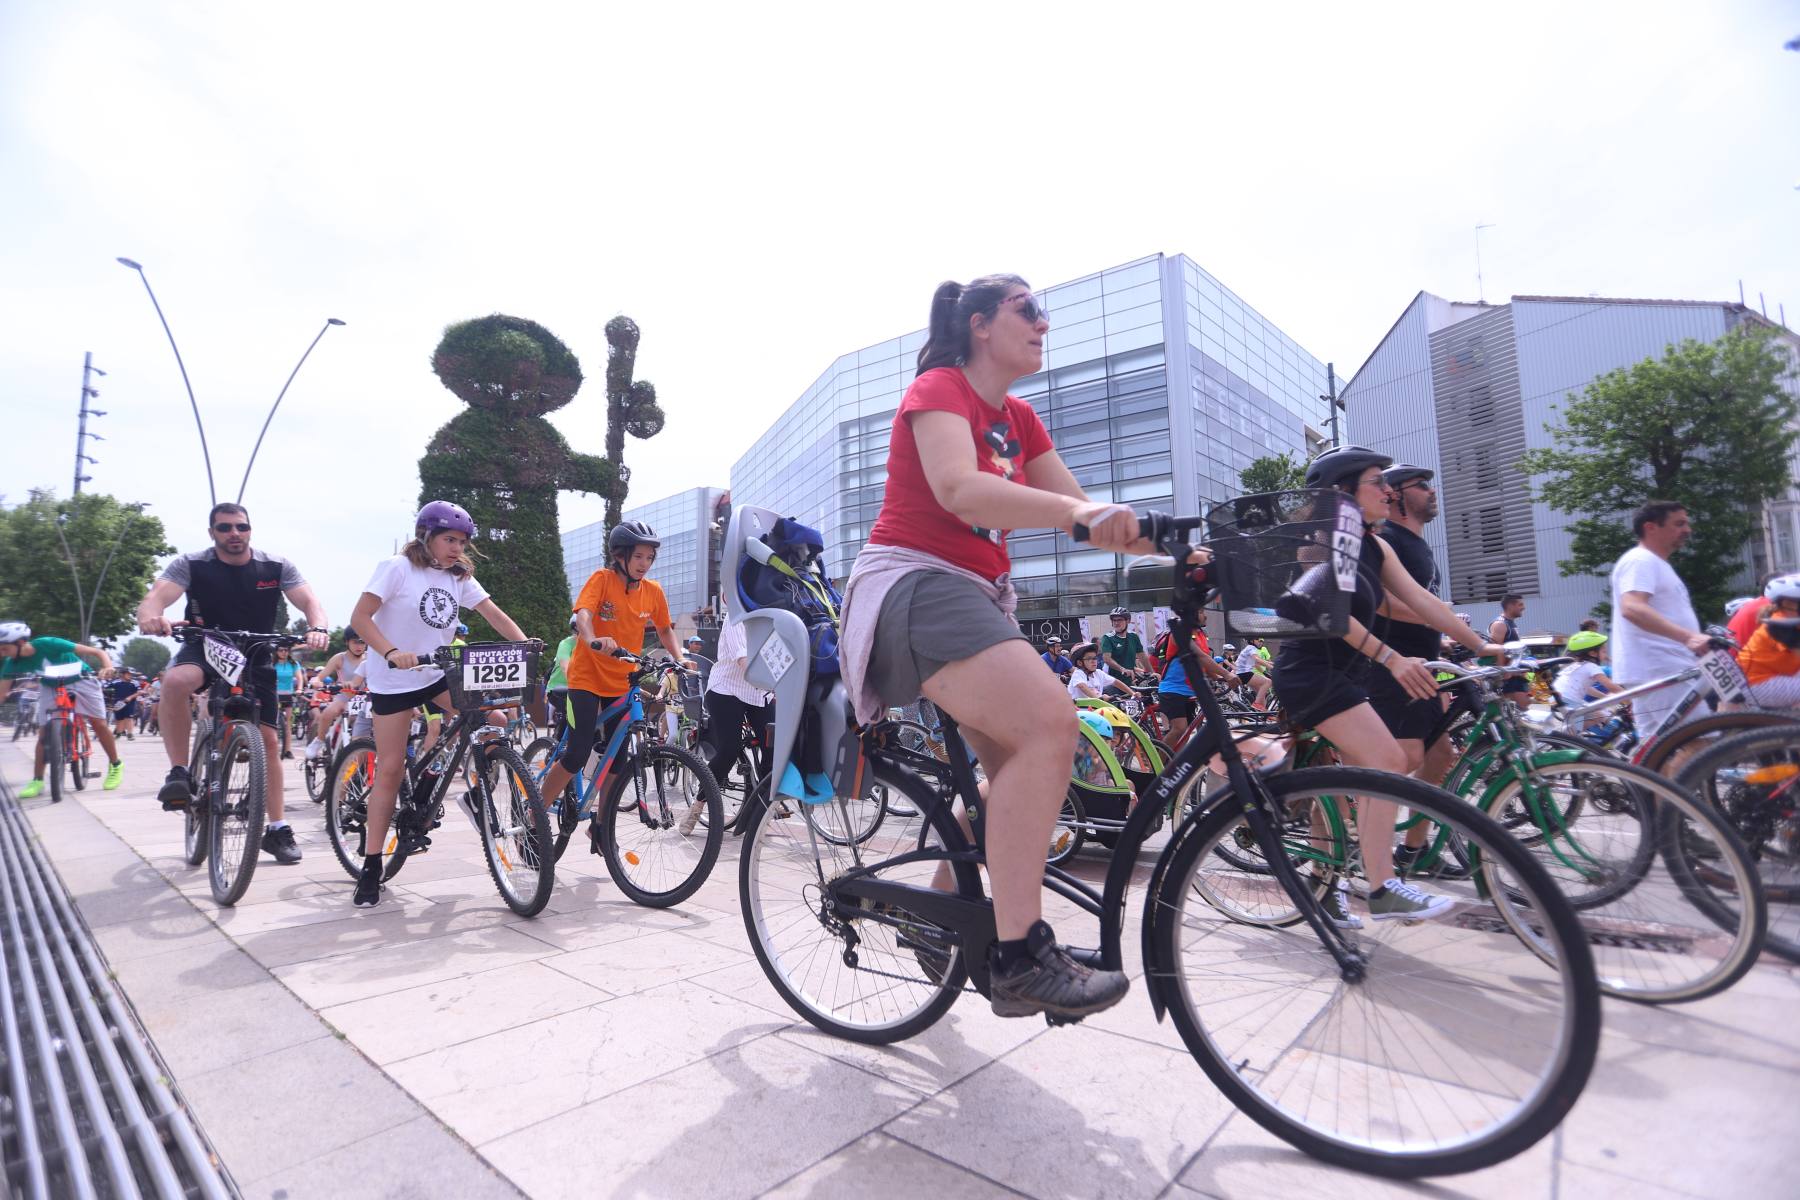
(1587, 639)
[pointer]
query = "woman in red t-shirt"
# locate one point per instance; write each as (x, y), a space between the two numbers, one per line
(928, 609)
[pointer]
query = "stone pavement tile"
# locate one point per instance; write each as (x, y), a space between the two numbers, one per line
(885, 1165)
(1244, 1159)
(1660, 1115)
(1733, 1024)
(176, 930)
(433, 1015)
(119, 868)
(399, 918)
(731, 1125)
(141, 902)
(638, 964)
(397, 965)
(745, 980)
(606, 920)
(419, 1160)
(1585, 1183)
(1079, 1113)
(274, 1112)
(965, 1039)
(492, 1086)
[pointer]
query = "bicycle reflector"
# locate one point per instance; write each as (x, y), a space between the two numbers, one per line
(1778, 773)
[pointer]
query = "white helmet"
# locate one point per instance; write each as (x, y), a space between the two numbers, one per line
(1732, 606)
(1783, 587)
(14, 631)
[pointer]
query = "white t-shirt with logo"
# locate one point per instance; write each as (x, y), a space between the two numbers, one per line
(1099, 680)
(1639, 655)
(419, 610)
(1575, 683)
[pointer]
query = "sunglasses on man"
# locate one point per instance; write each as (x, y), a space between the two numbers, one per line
(228, 527)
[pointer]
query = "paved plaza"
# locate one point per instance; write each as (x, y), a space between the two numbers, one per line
(439, 1046)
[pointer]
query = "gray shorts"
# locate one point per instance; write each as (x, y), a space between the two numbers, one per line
(928, 620)
(89, 701)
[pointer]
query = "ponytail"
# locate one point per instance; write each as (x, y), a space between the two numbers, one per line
(952, 306)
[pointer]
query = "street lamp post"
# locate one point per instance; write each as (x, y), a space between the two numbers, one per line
(87, 622)
(192, 403)
(329, 322)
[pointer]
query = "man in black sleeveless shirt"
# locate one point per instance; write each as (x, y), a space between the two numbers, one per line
(1413, 504)
(228, 586)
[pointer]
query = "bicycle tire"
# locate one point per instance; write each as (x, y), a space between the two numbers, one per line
(347, 802)
(1715, 726)
(1763, 814)
(537, 761)
(315, 771)
(894, 996)
(235, 839)
(79, 751)
(1647, 944)
(651, 859)
(1550, 1026)
(196, 828)
(513, 818)
(53, 759)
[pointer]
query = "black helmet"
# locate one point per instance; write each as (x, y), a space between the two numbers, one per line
(627, 536)
(1340, 463)
(1400, 474)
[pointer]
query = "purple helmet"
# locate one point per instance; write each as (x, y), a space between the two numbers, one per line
(441, 514)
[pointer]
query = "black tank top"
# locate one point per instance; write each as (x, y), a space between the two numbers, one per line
(247, 596)
(1408, 637)
(1336, 653)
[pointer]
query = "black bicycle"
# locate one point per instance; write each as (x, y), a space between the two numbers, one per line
(223, 823)
(500, 798)
(1402, 1048)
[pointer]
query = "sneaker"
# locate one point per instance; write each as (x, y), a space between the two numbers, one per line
(280, 843)
(34, 788)
(691, 817)
(115, 775)
(1395, 900)
(177, 790)
(315, 748)
(1336, 902)
(368, 884)
(1048, 981)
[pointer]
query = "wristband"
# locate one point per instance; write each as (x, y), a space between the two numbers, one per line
(390, 654)
(1387, 652)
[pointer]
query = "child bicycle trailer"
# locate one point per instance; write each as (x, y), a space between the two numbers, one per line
(1116, 761)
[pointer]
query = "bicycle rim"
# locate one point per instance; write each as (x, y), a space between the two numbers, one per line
(515, 830)
(196, 830)
(860, 977)
(1753, 780)
(656, 845)
(347, 802)
(237, 813)
(1458, 1048)
(1666, 894)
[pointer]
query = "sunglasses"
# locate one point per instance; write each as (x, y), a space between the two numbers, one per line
(1418, 484)
(227, 527)
(1031, 310)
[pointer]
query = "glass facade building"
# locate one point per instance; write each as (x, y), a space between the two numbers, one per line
(1159, 385)
(684, 523)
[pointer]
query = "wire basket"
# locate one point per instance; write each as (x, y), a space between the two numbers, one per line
(1285, 563)
(489, 674)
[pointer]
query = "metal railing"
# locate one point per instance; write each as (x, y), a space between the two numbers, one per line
(85, 1107)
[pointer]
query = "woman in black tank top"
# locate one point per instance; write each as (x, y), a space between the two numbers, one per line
(1320, 683)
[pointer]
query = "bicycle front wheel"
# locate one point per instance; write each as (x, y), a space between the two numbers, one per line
(196, 823)
(1452, 1045)
(656, 845)
(515, 829)
(237, 812)
(1753, 780)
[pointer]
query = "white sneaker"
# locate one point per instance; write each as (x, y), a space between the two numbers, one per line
(315, 748)
(692, 817)
(1399, 901)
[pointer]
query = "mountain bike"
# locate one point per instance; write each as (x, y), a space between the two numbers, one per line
(67, 740)
(1410, 1049)
(501, 798)
(1753, 778)
(652, 809)
(223, 823)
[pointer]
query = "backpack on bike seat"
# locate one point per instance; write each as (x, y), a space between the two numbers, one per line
(784, 569)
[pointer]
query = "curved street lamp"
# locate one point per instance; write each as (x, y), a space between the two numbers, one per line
(329, 322)
(192, 403)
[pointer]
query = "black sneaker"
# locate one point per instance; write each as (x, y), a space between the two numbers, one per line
(368, 883)
(280, 843)
(177, 790)
(1405, 858)
(1048, 981)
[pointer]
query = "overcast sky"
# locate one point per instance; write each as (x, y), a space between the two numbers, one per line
(764, 187)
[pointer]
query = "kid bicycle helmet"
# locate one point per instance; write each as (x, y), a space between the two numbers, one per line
(14, 631)
(1783, 587)
(627, 536)
(441, 514)
(1585, 641)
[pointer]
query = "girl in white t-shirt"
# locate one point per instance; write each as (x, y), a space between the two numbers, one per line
(1585, 680)
(408, 610)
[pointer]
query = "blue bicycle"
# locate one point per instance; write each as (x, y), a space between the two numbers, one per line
(658, 821)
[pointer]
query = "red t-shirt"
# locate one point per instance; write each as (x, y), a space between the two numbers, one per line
(1005, 444)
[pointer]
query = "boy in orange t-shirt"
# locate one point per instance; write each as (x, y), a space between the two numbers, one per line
(615, 605)
(1771, 658)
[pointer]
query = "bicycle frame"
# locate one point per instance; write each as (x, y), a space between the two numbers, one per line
(588, 785)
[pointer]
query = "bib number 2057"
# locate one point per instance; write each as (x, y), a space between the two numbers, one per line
(494, 670)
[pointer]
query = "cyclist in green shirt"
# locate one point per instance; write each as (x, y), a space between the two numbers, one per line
(1122, 650)
(22, 654)
(556, 688)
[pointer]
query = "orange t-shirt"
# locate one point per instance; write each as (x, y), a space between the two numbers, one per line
(1763, 658)
(620, 615)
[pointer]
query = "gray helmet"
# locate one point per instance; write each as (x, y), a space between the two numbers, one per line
(1120, 611)
(627, 536)
(1401, 474)
(1336, 465)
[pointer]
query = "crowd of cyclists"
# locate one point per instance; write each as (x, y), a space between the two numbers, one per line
(928, 612)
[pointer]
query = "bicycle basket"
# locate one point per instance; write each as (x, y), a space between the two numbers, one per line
(489, 674)
(1285, 563)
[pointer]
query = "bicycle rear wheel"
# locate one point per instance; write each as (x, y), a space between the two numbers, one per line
(237, 812)
(53, 759)
(1664, 889)
(515, 829)
(81, 748)
(1457, 1046)
(347, 802)
(196, 822)
(656, 845)
(873, 974)
(1753, 780)
(1708, 731)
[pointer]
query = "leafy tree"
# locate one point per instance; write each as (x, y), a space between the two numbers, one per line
(47, 545)
(505, 463)
(630, 408)
(145, 654)
(1273, 473)
(1707, 425)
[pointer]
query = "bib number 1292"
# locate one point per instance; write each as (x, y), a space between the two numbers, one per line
(494, 670)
